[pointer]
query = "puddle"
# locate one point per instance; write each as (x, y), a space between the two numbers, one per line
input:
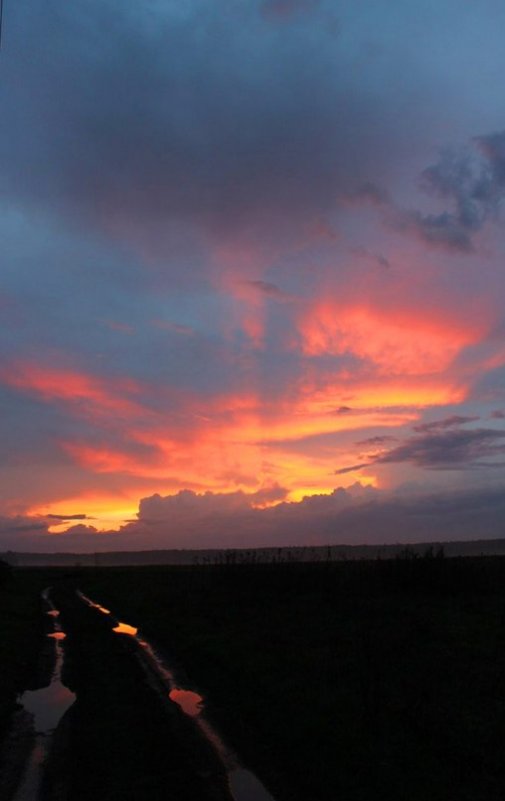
(46, 706)
(124, 628)
(244, 785)
(190, 702)
(87, 600)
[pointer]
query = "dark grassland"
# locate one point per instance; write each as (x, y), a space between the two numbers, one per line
(22, 638)
(26, 662)
(123, 742)
(353, 680)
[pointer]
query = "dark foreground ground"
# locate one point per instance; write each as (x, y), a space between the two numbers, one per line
(352, 680)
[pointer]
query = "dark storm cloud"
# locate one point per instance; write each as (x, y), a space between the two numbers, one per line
(443, 446)
(473, 514)
(189, 115)
(80, 530)
(265, 288)
(366, 192)
(378, 440)
(351, 468)
(493, 148)
(189, 505)
(440, 230)
(473, 182)
(378, 258)
(19, 524)
(355, 515)
(234, 518)
(447, 422)
(450, 449)
(33, 536)
(68, 517)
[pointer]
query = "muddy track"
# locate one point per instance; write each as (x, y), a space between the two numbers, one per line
(122, 740)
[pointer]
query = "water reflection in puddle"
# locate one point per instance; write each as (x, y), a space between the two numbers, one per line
(46, 706)
(124, 628)
(190, 702)
(87, 600)
(244, 785)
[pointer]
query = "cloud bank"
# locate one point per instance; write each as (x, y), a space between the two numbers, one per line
(352, 516)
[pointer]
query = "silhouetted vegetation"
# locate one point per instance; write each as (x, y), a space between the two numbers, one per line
(5, 572)
(22, 627)
(359, 680)
(341, 679)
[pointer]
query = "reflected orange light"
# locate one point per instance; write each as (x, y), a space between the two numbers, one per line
(124, 628)
(91, 603)
(190, 702)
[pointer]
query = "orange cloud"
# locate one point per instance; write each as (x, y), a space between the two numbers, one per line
(245, 440)
(102, 459)
(406, 341)
(103, 395)
(386, 393)
(230, 443)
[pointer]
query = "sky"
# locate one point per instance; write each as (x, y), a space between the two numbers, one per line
(251, 273)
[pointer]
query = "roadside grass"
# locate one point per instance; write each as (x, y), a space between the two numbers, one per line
(351, 679)
(22, 635)
(360, 680)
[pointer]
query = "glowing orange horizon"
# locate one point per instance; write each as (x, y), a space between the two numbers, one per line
(245, 440)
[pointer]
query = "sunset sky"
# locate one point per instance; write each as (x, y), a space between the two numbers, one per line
(252, 272)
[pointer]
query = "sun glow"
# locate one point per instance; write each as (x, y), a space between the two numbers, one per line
(103, 514)
(243, 441)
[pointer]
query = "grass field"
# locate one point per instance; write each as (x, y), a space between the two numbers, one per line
(355, 680)
(22, 628)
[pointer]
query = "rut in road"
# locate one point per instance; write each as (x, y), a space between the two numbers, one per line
(123, 742)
